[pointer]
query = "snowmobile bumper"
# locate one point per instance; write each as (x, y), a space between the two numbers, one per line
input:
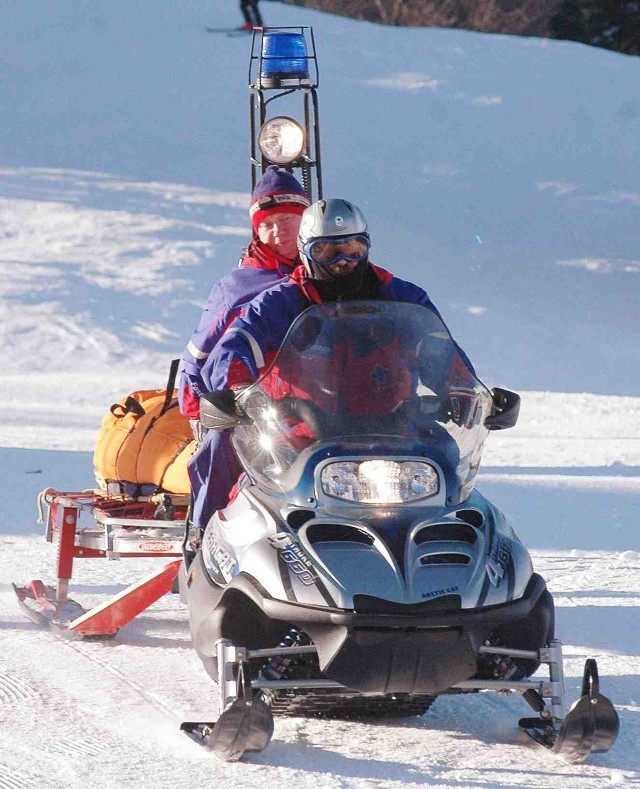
(380, 647)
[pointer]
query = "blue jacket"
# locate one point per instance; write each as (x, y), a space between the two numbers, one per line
(254, 337)
(258, 271)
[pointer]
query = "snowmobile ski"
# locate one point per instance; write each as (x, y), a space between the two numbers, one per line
(245, 726)
(591, 725)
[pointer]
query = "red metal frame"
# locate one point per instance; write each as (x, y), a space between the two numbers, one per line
(126, 528)
(108, 618)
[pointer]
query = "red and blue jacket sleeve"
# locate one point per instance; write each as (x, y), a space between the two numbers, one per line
(225, 302)
(252, 340)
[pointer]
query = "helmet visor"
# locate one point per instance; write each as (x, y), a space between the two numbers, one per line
(327, 251)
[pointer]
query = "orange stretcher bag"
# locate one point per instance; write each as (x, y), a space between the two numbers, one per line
(145, 443)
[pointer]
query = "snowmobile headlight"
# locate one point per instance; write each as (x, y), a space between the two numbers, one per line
(281, 140)
(380, 481)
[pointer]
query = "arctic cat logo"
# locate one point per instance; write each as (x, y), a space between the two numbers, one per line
(498, 559)
(440, 592)
(217, 557)
(296, 558)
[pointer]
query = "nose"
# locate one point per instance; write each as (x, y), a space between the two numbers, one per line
(343, 266)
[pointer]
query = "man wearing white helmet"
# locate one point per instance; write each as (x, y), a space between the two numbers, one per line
(334, 243)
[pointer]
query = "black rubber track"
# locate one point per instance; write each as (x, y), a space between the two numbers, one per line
(334, 704)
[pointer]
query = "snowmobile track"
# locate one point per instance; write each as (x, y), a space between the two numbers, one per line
(14, 781)
(136, 686)
(79, 748)
(14, 689)
(86, 650)
(288, 703)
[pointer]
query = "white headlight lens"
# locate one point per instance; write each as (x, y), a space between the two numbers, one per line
(380, 481)
(281, 140)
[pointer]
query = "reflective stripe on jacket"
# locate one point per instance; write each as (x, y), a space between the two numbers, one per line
(259, 270)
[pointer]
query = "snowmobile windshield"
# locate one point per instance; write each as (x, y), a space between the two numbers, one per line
(364, 373)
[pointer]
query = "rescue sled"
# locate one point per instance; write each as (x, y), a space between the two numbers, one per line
(95, 524)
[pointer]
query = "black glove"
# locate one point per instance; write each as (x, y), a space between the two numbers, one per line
(219, 411)
(425, 409)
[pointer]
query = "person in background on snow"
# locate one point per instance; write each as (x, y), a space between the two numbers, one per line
(277, 204)
(334, 244)
(251, 14)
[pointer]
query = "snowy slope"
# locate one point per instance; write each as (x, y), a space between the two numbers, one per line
(499, 173)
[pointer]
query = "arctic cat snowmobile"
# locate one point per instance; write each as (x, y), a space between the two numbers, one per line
(357, 573)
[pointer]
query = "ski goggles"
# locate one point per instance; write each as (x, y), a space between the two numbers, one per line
(327, 251)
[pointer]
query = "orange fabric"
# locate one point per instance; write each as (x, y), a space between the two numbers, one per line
(139, 444)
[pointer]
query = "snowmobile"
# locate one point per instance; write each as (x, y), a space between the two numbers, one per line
(357, 572)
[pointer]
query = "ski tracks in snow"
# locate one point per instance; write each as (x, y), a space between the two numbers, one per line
(9, 779)
(15, 692)
(14, 689)
(153, 700)
(70, 710)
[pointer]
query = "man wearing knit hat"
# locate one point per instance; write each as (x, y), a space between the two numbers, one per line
(277, 204)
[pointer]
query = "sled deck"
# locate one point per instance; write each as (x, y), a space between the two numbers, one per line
(94, 524)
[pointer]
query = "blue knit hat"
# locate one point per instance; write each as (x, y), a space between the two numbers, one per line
(277, 191)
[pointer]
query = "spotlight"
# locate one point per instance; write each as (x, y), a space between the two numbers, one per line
(281, 140)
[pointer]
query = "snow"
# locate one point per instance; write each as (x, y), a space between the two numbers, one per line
(499, 173)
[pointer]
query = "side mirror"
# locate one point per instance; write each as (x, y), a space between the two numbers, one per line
(219, 411)
(506, 407)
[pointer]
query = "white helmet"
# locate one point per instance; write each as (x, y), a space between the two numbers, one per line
(331, 219)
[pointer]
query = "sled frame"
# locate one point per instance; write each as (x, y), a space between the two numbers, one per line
(122, 527)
